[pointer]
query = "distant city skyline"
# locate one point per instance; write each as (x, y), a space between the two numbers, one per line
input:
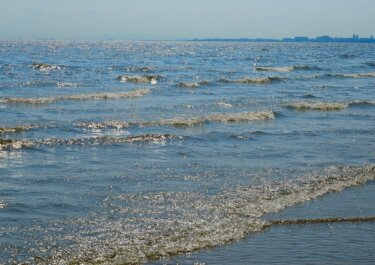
(171, 19)
(324, 38)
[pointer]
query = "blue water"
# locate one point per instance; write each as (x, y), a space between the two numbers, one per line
(126, 152)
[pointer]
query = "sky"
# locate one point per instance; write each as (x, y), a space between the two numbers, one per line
(180, 19)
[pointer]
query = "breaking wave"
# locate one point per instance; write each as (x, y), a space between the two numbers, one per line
(362, 103)
(66, 84)
(3, 205)
(224, 104)
(355, 75)
(103, 140)
(139, 79)
(318, 106)
(287, 68)
(192, 84)
(45, 67)
(20, 128)
(183, 122)
(91, 96)
(15, 144)
(133, 68)
(343, 75)
(242, 117)
(247, 80)
(136, 228)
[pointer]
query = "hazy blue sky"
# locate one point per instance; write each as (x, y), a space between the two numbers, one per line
(171, 19)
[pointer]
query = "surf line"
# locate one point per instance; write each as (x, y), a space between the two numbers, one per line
(323, 220)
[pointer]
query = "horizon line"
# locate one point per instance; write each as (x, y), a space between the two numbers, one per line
(297, 37)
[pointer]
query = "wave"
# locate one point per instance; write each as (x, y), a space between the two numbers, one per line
(66, 84)
(139, 79)
(3, 205)
(20, 128)
(372, 64)
(355, 75)
(309, 96)
(247, 80)
(14, 144)
(224, 104)
(242, 117)
(104, 125)
(343, 75)
(339, 75)
(183, 122)
(192, 84)
(176, 122)
(362, 103)
(318, 106)
(6, 144)
(323, 220)
(138, 228)
(133, 68)
(91, 96)
(287, 68)
(45, 67)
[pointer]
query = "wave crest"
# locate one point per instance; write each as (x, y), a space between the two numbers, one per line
(91, 96)
(247, 80)
(192, 84)
(3, 205)
(318, 106)
(139, 79)
(184, 122)
(66, 84)
(356, 75)
(103, 125)
(45, 67)
(14, 144)
(20, 128)
(103, 140)
(287, 68)
(242, 117)
(362, 103)
(133, 68)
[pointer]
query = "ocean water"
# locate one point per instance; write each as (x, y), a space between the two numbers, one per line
(141, 152)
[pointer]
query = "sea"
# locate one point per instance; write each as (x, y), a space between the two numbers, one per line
(187, 152)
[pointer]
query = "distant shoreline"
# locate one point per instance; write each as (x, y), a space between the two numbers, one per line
(324, 39)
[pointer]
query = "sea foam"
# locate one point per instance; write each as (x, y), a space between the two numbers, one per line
(141, 227)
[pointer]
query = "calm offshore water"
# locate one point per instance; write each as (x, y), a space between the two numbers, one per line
(126, 152)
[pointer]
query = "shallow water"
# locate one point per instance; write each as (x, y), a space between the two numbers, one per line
(126, 152)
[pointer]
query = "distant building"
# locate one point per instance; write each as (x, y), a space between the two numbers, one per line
(325, 38)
